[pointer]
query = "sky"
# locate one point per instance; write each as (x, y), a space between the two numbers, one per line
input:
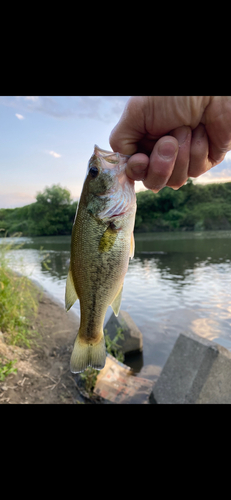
(46, 140)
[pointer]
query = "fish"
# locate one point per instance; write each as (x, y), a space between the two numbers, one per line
(102, 243)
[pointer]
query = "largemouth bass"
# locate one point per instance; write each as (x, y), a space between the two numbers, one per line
(102, 242)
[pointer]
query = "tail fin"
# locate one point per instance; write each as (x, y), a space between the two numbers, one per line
(84, 355)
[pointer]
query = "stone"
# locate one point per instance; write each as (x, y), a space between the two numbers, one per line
(117, 384)
(133, 338)
(197, 371)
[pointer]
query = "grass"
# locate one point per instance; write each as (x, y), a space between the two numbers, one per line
(7, 369)
(112, 347)
(18, 306)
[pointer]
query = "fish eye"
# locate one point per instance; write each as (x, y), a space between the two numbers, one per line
(93, 171)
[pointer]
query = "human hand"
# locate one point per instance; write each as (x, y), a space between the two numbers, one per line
(172, 138)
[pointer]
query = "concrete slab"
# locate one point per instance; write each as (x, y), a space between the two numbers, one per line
(197, 371)
(116, 383)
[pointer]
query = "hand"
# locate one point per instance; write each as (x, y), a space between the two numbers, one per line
(173, 138)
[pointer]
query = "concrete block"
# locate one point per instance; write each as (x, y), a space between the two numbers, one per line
(133, 338)
(116, 383)
(197, 371)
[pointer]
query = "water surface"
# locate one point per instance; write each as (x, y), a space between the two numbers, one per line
(177, 282)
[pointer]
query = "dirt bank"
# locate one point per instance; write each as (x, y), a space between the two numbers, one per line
(43, 375)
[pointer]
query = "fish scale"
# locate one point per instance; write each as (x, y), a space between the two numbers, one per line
(102, 242)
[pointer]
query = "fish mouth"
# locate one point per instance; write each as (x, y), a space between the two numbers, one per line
(110, 156)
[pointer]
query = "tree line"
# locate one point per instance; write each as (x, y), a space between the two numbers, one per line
(52, 214)
(192, 207)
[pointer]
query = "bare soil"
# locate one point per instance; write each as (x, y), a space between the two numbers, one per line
(43, 371)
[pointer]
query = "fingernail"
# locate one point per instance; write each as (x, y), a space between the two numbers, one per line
(139, 169)
(167, 150)
(137, 172)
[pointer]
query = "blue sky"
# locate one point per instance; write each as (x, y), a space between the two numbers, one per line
(49, 140)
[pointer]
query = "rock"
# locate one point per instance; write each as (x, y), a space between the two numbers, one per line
(133, 338)
(197, 371)
(116, 384)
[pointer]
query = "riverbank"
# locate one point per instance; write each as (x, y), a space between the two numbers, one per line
(43, 370)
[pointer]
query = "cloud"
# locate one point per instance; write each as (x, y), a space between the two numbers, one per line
(33, 98)
(20, 117)
(107, 109)
(220, 173)
(56, 155)
(103, 108)
(228, 156)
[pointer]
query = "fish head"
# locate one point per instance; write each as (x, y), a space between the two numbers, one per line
(108, 191)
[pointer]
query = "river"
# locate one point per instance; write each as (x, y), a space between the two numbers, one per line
(177, 282)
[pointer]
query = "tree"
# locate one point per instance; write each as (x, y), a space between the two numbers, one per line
(54, 196)
(52, 213)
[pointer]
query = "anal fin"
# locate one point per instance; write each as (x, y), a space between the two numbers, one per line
(70, 293)
(117, 301)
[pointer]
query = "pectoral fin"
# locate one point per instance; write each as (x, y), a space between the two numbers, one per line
(117, 301)
(70, 294)
(108, 239)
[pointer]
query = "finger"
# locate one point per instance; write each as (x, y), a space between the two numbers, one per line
(161, 163)
(199, 163)
(137, 166)
(217, 121)
(180, 171)
(131, 127)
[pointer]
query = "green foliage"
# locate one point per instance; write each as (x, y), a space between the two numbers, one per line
(112, 346)
(54, 196)
(52, 214)
(192, 207)
(88, 377)
(6, 368)
(18, 302)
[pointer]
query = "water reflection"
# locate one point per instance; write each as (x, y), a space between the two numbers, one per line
(176, 283)
(57, 263)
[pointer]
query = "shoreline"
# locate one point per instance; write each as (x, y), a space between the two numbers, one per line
(43, 370)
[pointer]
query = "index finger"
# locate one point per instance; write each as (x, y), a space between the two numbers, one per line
(130, 129)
